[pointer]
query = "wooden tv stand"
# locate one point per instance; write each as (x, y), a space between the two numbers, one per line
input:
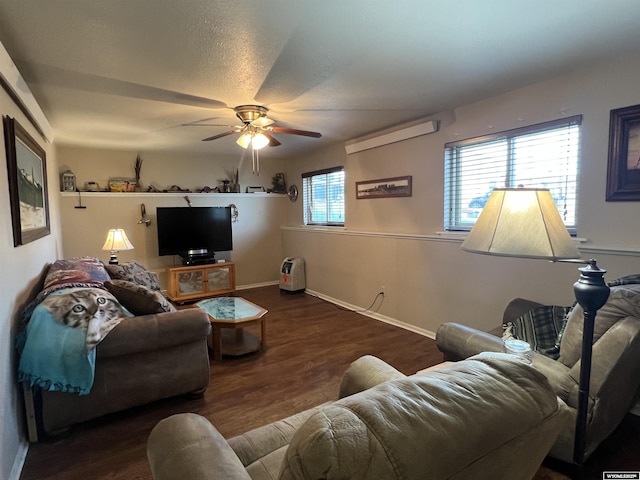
(195, 282)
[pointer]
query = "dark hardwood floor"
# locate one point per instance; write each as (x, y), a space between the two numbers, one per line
(310, 343)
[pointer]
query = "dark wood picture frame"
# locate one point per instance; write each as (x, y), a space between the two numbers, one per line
(384, 188)
(623, 168)
(28, 193)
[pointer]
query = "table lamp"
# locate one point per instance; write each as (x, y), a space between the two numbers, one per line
(116, 240)
(525, 223)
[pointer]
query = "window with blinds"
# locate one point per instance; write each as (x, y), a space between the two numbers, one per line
(323, 197)
(545, 155)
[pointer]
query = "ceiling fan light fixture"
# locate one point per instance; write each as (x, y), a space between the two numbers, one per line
(244, 140)
(259, 141)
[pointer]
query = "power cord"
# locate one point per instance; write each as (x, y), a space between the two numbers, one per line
(369, 308)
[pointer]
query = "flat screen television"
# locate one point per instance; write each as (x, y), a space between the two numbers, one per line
(193, 232)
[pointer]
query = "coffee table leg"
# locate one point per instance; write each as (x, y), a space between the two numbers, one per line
(263, 335)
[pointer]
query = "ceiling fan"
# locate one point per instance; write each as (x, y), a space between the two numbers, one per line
(257, 128)
(256, 131)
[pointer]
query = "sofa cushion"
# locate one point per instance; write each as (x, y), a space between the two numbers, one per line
(624, 301)
(391, 431)
(139, 299)
(135, 273)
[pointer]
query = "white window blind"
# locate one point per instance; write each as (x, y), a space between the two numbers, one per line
(545, 155)
(323, 197)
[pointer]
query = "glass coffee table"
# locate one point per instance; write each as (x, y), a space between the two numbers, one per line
(228, 317)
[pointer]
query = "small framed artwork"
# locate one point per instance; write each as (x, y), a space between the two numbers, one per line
(623, 168)
(28, 195)
(384, 188)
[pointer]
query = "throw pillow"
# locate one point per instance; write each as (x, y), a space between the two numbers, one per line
(624, 301)
(541, 328)
(139, 299)
(135, 273)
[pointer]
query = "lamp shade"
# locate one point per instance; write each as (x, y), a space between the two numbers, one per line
(259, 141)
(521, 222)
(244, 140)
(117, 240)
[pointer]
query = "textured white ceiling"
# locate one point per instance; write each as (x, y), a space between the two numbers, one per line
(129, 73)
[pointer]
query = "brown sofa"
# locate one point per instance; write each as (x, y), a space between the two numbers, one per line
(488, 417)
(144, 358)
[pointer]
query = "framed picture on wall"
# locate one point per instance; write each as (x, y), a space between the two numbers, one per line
(27, 170)
(384, 188)
(623, 168)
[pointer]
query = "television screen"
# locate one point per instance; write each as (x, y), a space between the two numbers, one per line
(193, 230)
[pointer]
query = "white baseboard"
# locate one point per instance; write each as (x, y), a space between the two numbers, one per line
(374, 315)
(257, 285)
(18, 462)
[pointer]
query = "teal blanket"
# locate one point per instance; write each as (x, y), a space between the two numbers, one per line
(57, 348)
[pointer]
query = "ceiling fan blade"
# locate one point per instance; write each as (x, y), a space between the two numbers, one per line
(220, 135)
(262, 122)
(207, 125)
(293, 131)
(49, 75)
(273, 141)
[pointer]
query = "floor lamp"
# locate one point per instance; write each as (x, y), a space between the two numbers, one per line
(525, 223)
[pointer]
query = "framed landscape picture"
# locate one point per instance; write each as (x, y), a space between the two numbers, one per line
(27, 170)
(384, 188)
(623, 168)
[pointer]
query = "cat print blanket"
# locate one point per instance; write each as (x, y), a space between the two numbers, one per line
(57, 348)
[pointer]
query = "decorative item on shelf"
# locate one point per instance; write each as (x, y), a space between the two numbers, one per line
(116, 241)
(525, 223)
(234, 212)
(226, 188)
(91, 187)
(209, 189)
(68, 181)
(137, 168)
(176, 189)
(144, 219)
(279, 185)
(293, 193)
(235, 185)
(122, 185)
(255, 189)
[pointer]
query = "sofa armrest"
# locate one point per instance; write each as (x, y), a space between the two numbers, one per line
(154, 332)
(366, 372)
(187, 446)
(458, 342)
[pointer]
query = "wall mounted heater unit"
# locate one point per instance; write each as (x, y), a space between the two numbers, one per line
(292, 275)
(409, 132)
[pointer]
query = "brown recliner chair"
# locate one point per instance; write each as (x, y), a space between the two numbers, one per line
(615, 374)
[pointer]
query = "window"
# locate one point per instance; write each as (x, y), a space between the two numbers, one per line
(323, 197)
(545, 155)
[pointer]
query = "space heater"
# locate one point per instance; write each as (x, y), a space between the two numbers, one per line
(292, 275)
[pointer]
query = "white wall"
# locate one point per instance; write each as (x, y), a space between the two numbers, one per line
(22, 268)
(256, 235)
(393, 242)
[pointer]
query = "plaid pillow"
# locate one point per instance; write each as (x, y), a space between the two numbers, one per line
(541, 328)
